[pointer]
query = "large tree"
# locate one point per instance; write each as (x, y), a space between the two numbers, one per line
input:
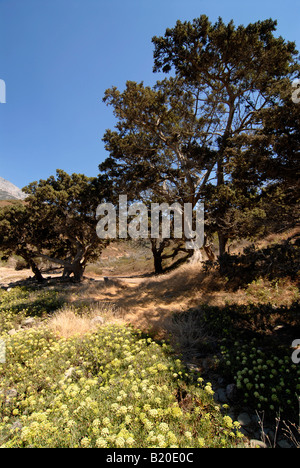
(20, 233)
(70, 202)
(158, 143)
(158, 149)
(57, 223)
(238, 72)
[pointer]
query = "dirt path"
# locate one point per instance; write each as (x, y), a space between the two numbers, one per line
(10, 275)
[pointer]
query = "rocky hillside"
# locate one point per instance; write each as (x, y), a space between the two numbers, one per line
(9, 191)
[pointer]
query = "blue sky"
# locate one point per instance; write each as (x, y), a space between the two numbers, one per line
(57, 58)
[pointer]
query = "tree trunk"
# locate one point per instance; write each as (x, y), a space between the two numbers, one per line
(208, 250)
(157, 256)
(78, 271)
(157, 262)
(222, 243)
(35, 269)
(37, 274)
(75, 267)
(196, 257)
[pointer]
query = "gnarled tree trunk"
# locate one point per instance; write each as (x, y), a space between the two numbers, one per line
(35, 269)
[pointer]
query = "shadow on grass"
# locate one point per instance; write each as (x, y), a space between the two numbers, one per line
(271, 326)
(31, 302)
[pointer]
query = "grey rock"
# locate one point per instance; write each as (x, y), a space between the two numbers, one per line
(245, 431)
(231, 392)
(10, 394)
(254, 443)
(220, 381)
(244, 419)
(98, 320)
(17, 425)
(284, 444)
(220, 395)
(28, 322)
(255, 418)
(9, 191)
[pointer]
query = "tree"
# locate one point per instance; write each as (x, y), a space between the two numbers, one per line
(20, 233)
(238, 72)
(158, 146)
(65, 212)
(269, 164)
(158, 143)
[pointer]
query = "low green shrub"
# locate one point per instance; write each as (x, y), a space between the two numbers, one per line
(267, 381)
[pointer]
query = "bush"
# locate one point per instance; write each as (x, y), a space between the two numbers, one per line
(266, 381)
(110, 388)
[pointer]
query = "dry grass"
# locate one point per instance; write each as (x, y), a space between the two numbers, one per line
(185, 336)
(149, 303)
(73, 321)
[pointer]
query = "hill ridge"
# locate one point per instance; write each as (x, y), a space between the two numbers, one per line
(9, 191)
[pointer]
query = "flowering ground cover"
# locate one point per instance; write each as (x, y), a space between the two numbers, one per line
(269, 381)
(111, 387)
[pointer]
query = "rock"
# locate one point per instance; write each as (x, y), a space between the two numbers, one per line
(28, 322)
(257, 444)
(220, 381)
(192, 367)
(244, 419)
(284, 444)
(231, 392)
(255, 418)
(10, 394)
(16, 425)
(268, 433)
(220, 395)
(231, 414)
(98, 320)
(245, 431)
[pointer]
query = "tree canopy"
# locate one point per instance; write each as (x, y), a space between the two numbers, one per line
(217, 128)
(57, 223)
(240, 72)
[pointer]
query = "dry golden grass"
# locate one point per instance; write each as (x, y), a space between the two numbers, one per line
(150, 303)
(66, 323)
(71, 321)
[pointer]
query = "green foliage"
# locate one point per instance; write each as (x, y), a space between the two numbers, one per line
(233, 321)
(114, 388)
(254, 345)
(267, 380)
(58, 222)
(240, 97)
(20, 303)
(273, 262)
(21, 232)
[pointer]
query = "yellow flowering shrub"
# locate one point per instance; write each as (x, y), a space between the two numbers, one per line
(112, 387)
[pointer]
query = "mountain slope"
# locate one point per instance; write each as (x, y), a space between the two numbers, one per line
(9, 191)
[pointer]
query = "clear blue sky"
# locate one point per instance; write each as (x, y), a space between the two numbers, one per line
(58, 57)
